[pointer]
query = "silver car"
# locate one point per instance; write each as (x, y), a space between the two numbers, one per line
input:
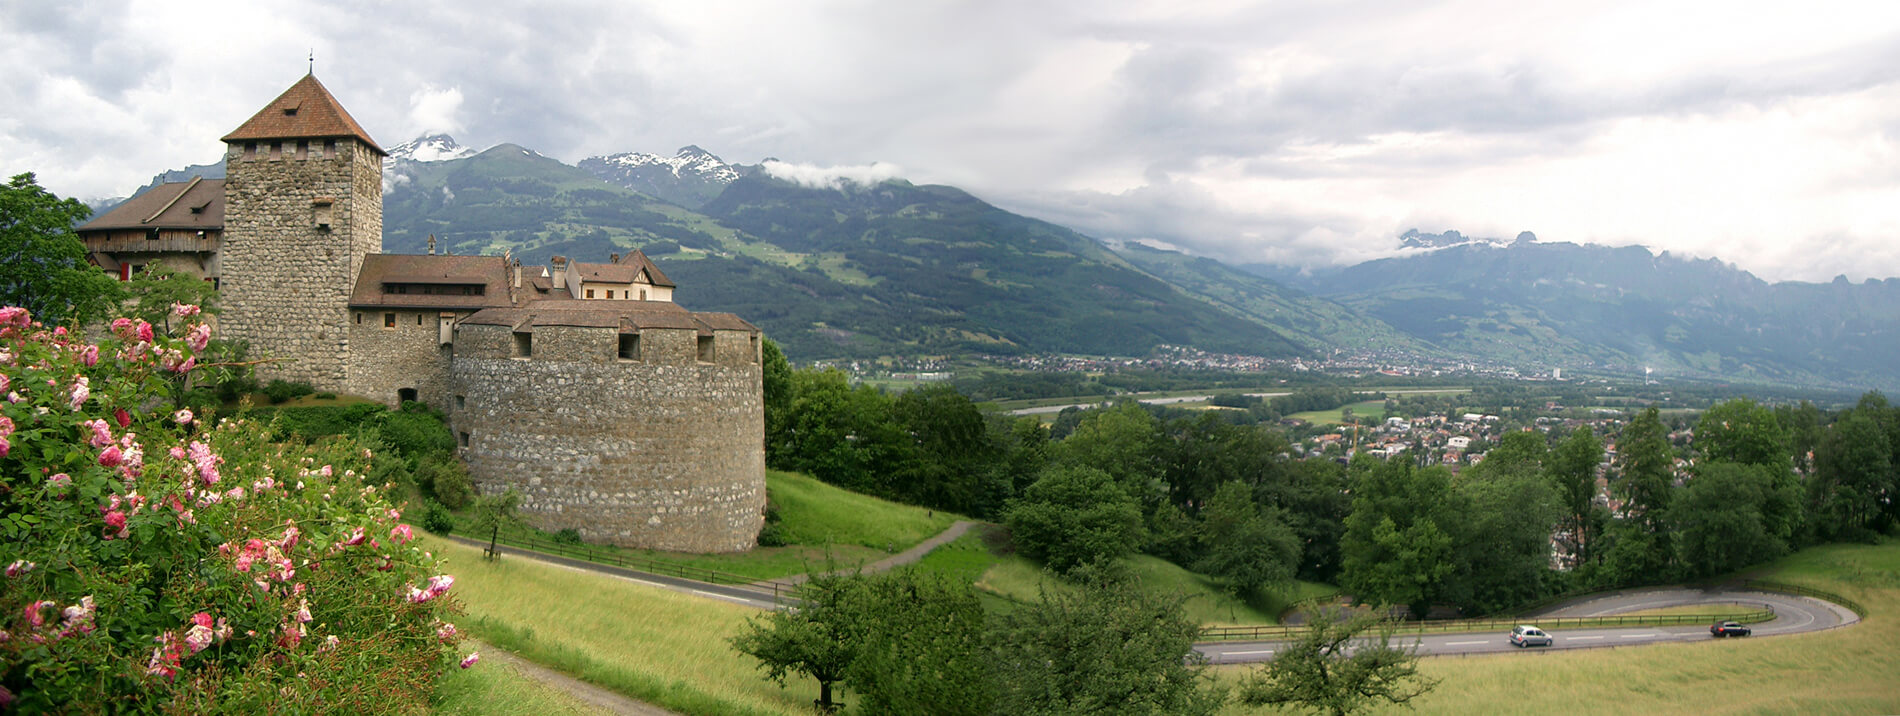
(1524, 636)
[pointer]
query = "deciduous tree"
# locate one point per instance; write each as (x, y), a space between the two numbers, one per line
(42, 263)
(1337, 668)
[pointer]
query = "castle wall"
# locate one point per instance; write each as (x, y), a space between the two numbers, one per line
(386, 359)
(285, 282)
(663, 452)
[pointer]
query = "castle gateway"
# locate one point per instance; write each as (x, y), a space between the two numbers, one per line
(614, 411)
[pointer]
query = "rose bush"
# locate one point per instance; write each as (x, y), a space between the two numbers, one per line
(158, 563)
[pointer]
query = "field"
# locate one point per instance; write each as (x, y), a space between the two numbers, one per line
(1848, 670)
(1364, 410)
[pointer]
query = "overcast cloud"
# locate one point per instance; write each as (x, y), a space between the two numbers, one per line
(1767, 134)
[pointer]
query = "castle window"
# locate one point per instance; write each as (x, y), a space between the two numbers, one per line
(610, 293)
(643, 294)
(329, 147)
(405, 395)
(590, 293)
(462, 438)
(303, 148)
(524, 344)
(459, 402)
(630, 346)
(321, 213)
(418, 319)
(755, 348)
(250, 150)
(389, 320)
(359, 318)
(705, 349)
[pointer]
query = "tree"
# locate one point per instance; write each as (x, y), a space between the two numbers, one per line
(1573, 469)
(157, 289)
(1123, 441)
(42, 262)
(1647, 470)
(923, 648)
(1242, 545)
(954, 453)
(1335, 668)
(1725, 517)
(819, 639)
(776, 375)
(1108, 648)
(1852, 471)
(1742, 431)
(491, 513)
(1074, 516)
(1395, 550)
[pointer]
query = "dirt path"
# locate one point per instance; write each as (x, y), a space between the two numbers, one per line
(586, 693)
(908, 556)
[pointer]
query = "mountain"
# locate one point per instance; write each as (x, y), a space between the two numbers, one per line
(690, 178)
(1317, 323)
(428, 148)
(933, 269)
(1623, 308)
(857, 271)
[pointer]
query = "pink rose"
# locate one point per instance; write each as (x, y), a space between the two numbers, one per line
(470, 660)
(111, 457)
(402, 534)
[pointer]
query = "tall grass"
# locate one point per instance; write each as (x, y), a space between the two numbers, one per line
(653, 644)
(1849, 670)
(493, 688)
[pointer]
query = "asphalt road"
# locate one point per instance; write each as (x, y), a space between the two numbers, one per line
(1792, 614)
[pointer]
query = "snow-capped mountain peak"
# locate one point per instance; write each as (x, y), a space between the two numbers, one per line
(431, 148)
(690, 178)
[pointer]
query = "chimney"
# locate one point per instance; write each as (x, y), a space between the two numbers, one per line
(517, 270)
(432, 244)
(613, 258)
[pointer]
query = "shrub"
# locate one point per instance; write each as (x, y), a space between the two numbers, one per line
(280, 390)
(772, 533)
(438, 519)
(416, 433)
(567, 535)
(162, 564)
(325, 396)
(446, 479)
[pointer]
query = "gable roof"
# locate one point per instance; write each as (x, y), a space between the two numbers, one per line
(626, 271)
(167, 206)
(490, 272)
(306, 110)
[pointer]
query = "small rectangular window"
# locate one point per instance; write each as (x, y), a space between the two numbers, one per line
(389, 320)
(462, 438)
(590, 293)
(630, 346)
(524, 345)
(610, 293)
(459, 403)
(359, 318)
(418, 319)
(705, 349)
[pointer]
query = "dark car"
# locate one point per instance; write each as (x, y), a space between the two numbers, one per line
(1730, 629)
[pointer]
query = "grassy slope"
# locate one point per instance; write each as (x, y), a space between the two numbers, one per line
(825, 525)
(1372, 409)
(1018, 578)
(492, 688)
(653, 644)
(1850, 670)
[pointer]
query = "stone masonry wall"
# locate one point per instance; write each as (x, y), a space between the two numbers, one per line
(285, 284)
(385, 360)
(658, 453)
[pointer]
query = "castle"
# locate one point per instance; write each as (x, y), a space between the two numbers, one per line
(613, 410)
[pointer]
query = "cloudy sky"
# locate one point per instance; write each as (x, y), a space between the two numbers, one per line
(1767, 134)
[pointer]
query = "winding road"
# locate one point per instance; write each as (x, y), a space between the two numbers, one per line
(1793, 614)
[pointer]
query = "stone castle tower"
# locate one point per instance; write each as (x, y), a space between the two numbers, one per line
(303, 206)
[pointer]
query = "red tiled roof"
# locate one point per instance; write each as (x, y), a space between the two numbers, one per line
(624, 272)
(167, 206)
(306, 110)
(381, 269)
